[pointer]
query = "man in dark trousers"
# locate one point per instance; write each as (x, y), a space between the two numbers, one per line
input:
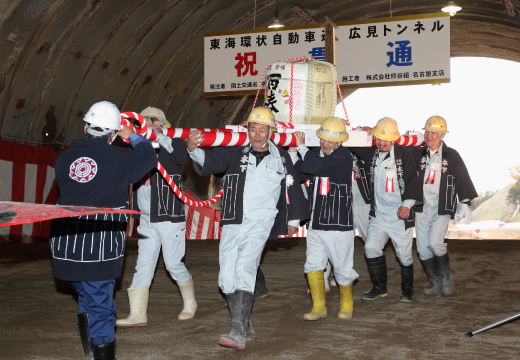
(331, 228)
(88, 250)
(395, 189)
(262, 199)
(447, 190)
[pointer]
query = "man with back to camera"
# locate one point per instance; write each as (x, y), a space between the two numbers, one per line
(163, 224)
(395, 189)
(331, 230)
(261, 200)
(445, 180)
(88, 250)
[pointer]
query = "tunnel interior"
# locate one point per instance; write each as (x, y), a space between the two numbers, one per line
(58, 57)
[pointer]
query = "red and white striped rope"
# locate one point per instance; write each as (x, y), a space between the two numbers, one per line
(342, 103)
(142, 131)
(284, 125)
(183, 197)
(260, 85)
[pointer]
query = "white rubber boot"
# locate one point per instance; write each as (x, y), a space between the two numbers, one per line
(188, 297)
(138, 299)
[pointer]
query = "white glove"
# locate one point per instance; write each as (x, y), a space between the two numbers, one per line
(463, 212)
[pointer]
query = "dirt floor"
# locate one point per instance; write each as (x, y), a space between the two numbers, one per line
(38, 313)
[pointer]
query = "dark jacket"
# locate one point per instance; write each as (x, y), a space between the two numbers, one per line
(229, 161)
(332, 211)
(409, 185)
(361, 179)
(164, 204)
(455, 179)
(94, 173)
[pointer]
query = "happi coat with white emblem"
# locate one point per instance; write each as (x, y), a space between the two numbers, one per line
(233, 162)
(93, 173)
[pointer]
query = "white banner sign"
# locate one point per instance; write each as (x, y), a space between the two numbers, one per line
(377, 52)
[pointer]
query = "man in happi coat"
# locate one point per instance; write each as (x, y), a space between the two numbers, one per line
(331, 227)
(88, 250)
(395, 190)
(262, 199)
(447, 192)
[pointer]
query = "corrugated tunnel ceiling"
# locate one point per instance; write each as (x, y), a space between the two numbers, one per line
(59, 57)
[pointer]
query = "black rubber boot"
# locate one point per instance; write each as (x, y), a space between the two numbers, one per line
(261, 290)
(86, 340)
(240, 305)
(406, 283)
(443, 262)
(105, 351)
(377, 270)
(432, 271)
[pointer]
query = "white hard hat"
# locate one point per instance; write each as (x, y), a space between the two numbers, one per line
(105, 115)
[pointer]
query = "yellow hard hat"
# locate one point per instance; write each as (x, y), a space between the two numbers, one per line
(152, 112)
(333, 129)
(386, 129)
(436, 124)
(261, 115)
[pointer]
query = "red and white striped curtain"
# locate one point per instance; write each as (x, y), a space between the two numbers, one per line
(202, 223)
(27, 175)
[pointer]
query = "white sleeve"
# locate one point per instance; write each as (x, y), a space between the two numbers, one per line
(198, 156)
(295, 223)
(302, 149)
(294, 156)
(408, 203)
(165, 142)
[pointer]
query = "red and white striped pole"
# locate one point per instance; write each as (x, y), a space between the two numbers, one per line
(406, 140)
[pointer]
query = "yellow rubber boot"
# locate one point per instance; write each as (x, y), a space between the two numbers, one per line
(317, 287)
(346, 305)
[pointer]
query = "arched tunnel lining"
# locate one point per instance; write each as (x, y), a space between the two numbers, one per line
(69, 55)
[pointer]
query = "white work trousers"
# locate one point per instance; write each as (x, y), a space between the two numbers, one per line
(151, 236)
(336, 246)
(361, 218)
(240, 249)
(430, 230)
(382, 227)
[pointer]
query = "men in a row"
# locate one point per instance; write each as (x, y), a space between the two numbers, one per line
(163, 224)
(395, 189)
(88, 251)
(445, 180)
(261, 199)
(331, 231)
